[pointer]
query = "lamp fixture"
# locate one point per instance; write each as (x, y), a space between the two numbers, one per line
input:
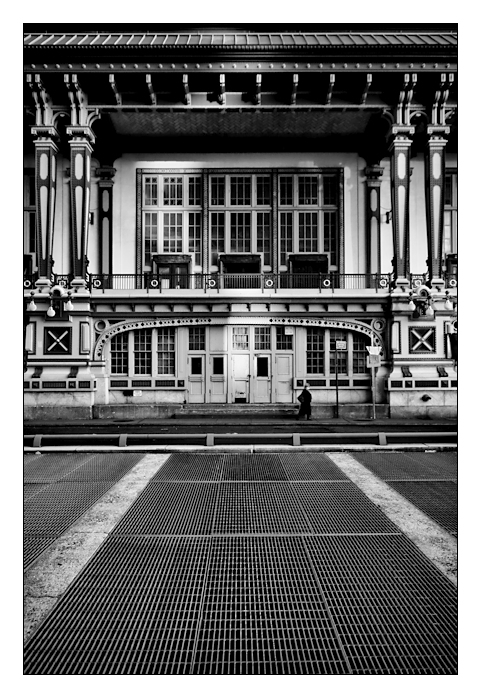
(421, 303)
(388, 216)
(56, 296)
(448, 305)
(31, 307)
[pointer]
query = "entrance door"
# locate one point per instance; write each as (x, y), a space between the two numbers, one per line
(196, 378)
(240, 365)
(284, 377)
(218, 378)
(262, 373)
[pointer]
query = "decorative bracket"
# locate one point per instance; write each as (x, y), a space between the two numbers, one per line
(115, 89)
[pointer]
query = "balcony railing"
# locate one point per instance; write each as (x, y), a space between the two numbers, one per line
(219, 282)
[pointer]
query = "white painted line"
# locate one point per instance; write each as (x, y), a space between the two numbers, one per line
(436, 543)
(48, 578)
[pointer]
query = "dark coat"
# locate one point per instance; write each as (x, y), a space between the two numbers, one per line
(305, 406)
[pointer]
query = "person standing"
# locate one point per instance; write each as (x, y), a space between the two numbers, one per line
(305, 398)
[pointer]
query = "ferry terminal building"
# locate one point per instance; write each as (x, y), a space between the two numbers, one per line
(222, 215)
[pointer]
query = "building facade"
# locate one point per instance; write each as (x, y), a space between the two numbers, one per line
(222, 215)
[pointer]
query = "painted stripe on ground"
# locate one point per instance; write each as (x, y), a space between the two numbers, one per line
(48, 578)
(438, 545)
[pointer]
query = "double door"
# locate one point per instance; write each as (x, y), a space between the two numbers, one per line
(261, 378)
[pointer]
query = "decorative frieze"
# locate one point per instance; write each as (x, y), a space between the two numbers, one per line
(356, 326)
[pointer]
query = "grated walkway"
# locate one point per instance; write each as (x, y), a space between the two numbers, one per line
(251, 564)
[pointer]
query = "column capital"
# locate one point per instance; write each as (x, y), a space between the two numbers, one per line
(106, 174)
(81, 133)
(436, 132)
(373, 173)
(45, 133)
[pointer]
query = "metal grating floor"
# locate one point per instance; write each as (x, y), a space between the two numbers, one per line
(258, 507)
(59, 489)
(395, 613)
(251, 577)
(171, 508)
(415, 466)
(310, 466)
(263, 612)
(340, 507)
(427, 480)
(436, 499)
(51, 468)
(255, 467)
(191, 466)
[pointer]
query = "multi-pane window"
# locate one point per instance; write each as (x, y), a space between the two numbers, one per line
(307, 232)
(283, 340)
(287, 239)
(264, 235)
(172, 232)
(166, 351)
(240, 215)
(240, 232)
(240, 337)
(172, 191)
(315, 350)
(142, 352)
(119, 354)
(262, 338)
(309, 216)
(146, 352)
(340, 354)
(171, 216)
(359, 353)
(197, 338)
(195, 238)
(217, 235)
(450, 212)
(240, 191)
(321, 352)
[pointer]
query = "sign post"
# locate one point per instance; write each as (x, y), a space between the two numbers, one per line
(373, 362)
(341, 345)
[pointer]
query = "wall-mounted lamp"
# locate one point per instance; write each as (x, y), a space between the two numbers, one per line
(57, 295)
(448, 305)
(388, 216)
(31, 307)
(421, 303)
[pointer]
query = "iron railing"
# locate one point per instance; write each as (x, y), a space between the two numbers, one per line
(218, 282)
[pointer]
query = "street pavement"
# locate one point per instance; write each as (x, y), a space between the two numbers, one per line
(236, 563)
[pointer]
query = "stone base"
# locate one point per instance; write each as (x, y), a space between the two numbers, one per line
(51, 413)
(423, 412)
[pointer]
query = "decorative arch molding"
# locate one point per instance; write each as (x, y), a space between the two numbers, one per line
(145, 323)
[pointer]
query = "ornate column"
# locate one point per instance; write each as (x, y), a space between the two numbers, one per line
(373, 218)
(45, 191)
(82, 140)
(106, 186)
(434, 189)
(400, 173)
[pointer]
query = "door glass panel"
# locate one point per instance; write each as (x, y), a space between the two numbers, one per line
(262, 367)
(218, 365)
(196, 365)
